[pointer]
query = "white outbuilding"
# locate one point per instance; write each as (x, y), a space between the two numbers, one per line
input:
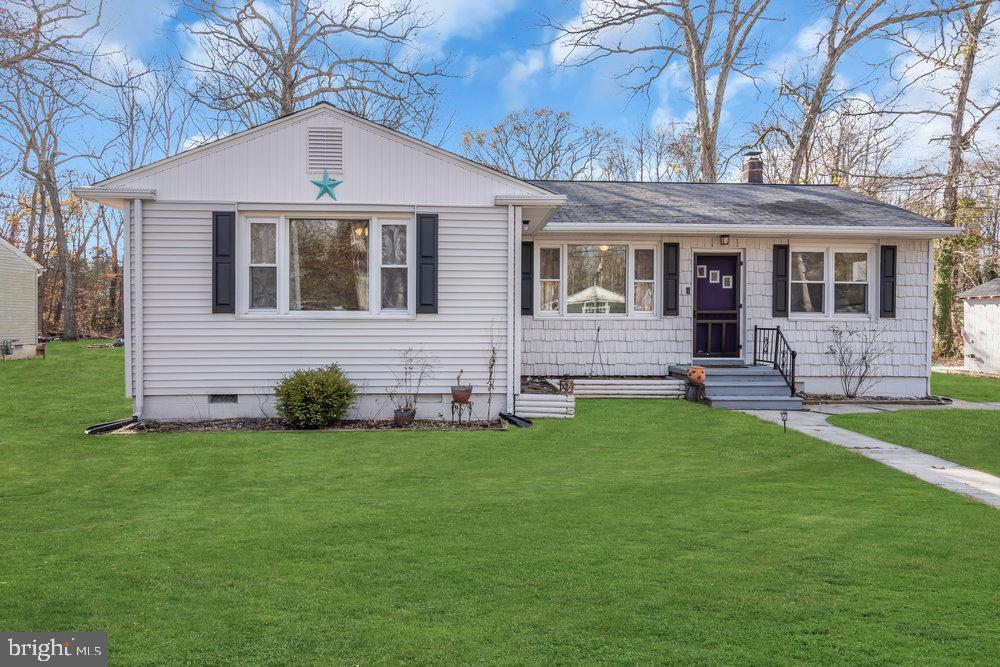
(18, 302)
(982, 327)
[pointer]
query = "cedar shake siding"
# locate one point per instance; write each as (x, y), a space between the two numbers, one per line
(558, 346)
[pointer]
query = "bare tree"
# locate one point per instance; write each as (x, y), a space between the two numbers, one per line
(667, 152)
(46, 32)
(811, 92)
(943, 59)
(259, 62)
(541, 143)
(34, 112)
(714, 40)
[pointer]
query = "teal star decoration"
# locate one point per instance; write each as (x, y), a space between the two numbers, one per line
(327, 185)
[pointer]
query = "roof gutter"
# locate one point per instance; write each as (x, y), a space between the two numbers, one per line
(99, 194)
(752, 230)
(530, 200)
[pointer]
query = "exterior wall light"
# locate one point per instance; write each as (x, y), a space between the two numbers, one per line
(724, 239)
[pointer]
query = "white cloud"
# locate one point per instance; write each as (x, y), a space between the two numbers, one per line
(517, 82)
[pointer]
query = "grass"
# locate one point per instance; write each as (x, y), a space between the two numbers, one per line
(974, 388)
(969, 437)
(641, 531)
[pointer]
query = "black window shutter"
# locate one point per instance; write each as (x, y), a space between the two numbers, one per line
(223, 262)
(671, 279)
(427, 263)
(527, 277)
(887, 281)
(779, 282)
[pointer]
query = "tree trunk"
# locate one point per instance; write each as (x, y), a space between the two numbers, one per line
(69, 331)
(800, 152)
(945, 338)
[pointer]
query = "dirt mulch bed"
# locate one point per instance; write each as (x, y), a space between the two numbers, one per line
(536, 385)
(276, 425)
(815, 399)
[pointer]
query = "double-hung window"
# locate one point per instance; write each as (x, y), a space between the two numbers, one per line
(596, 280)
(550, 279)
(326, 266)
(263, 265)
(829, 281)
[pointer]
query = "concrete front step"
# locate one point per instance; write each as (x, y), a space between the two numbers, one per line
(755, 387)
(680, 371)
(742, 388)
(740, 402)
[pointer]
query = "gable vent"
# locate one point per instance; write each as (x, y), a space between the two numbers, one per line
(326, 149)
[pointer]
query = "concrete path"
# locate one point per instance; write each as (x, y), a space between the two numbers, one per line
(948, 475)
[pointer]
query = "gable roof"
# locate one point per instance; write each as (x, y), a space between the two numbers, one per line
(115, 182)
(728, 204)
(14, 250)
(986, 290)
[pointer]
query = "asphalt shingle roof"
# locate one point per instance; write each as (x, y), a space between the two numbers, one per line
(725, 204)
(987, 289)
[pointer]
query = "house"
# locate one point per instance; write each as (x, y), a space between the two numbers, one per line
(981, 329)
(322, 237)
(18, 302)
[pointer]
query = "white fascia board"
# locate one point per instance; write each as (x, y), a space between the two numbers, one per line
(754, 230)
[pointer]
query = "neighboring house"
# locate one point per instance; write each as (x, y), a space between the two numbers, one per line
(982, 327)
(321, 237)
(18, 301)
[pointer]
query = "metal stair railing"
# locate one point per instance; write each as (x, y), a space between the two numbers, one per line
(771, 347)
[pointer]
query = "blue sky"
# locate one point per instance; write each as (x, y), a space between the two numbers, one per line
(502, 62)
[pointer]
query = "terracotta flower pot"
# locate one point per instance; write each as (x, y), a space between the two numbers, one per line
(403, 417)
(461, 393)
(696, 375)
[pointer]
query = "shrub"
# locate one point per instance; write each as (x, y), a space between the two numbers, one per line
(315, 398)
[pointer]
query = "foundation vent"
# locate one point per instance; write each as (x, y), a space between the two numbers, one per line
(223, 398)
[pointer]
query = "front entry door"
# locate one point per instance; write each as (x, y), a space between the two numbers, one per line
(717, 306)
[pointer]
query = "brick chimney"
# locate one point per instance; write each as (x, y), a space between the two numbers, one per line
(753, 168)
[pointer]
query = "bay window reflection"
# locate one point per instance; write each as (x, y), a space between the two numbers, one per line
(328, 265)
(596, 279)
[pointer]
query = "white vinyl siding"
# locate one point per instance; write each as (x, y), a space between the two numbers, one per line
(270, 165)
(190, 351)
(18, 303)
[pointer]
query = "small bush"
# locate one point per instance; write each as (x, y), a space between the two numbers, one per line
(315, 398)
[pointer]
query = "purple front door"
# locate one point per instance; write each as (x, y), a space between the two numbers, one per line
(717, 306)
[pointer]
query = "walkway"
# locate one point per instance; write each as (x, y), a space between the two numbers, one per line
(948, 475)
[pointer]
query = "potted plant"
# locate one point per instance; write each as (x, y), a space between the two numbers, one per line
(461, 393)
(414, 369)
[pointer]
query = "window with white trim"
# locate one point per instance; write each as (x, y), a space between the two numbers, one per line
(327, 266)
(850, 282)
(394, 276)
(549, 279)
(808, 281)
(644, 282)
(263, 268)
(829, 281)
(595, 279)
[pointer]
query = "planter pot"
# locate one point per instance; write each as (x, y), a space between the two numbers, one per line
(461, 393)
(403, 417)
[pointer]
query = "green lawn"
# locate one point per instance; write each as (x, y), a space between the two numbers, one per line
(643, 531)
(977, 389)
(969, 437)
